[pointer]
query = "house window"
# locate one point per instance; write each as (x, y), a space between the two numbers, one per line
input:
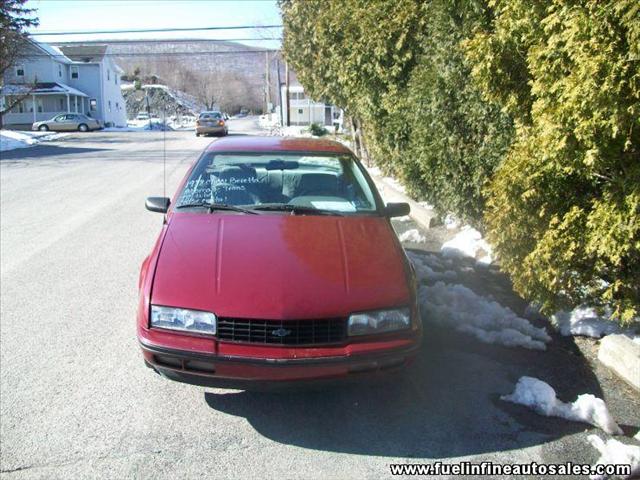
(93, 104)
(38, 105)
(115, 79)
(74, 72)
(109, 105)
(108, 74)
(117, 106)
(20, 71)
(21, 107)
(300, 111)
(61, 100)
(60, 70)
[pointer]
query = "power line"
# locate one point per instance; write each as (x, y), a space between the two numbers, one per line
(165, 40)
(155, 30)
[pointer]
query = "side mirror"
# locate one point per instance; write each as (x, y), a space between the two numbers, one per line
(396, 209)
(157, 204)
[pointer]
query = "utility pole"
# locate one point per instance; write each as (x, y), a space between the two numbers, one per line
(286, 79)
(280, 92)
(267, 81)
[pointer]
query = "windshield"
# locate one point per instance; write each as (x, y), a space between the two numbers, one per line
(207, 115)
(321, 182)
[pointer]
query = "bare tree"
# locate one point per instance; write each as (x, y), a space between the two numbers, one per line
(14, 19)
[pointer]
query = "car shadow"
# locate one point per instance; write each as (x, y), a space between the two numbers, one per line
(446, 404)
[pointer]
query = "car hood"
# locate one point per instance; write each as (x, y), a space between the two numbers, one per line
(280, 266)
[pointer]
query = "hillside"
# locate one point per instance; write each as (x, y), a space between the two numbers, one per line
(228, 74)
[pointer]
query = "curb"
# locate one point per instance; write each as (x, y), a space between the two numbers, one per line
(622, 355)
(425, 217)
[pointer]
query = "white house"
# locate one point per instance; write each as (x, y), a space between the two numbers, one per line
(78, 79)
(305, 111)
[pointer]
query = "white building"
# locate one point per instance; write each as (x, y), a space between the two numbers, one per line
(70, 79)
(305, 111)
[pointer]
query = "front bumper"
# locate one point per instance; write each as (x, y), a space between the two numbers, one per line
(249, 372)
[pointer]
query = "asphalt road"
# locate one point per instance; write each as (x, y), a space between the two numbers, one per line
(77, 402)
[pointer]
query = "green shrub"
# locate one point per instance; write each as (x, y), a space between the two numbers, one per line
(317, 130)
(458, 138)
(564, 208)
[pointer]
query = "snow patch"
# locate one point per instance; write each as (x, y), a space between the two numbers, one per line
(458, 307)
(541, 397)
(11, 139)
(403, 219)
(413, 236)
(468, 243)
(290, 131)
(585, 321)
(430, 269)
(451, 222)
(613, 452)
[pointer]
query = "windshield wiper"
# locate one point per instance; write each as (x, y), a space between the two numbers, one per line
(217, 206)
(295, 209)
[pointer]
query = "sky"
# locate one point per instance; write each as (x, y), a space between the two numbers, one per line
(92, 15)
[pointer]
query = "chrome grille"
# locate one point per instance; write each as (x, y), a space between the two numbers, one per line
(282, 332)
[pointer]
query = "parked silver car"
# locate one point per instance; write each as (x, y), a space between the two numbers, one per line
(211, 123)
(67, 122)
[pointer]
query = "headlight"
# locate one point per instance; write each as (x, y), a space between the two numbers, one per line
(379, 321)
(183, 320)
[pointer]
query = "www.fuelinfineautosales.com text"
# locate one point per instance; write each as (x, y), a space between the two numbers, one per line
(490, 468)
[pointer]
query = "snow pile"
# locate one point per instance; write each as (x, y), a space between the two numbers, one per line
(613, 452)
(269, 120)
(468, 243)
(451, 222)
(10, 139)
(585, 321)
(293, 131)
(430, 268)
(413, 236)
(541, 397)
(458, 307)
(403, 219)
(455, 306)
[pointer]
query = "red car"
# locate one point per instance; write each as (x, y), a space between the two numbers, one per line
(277, 262)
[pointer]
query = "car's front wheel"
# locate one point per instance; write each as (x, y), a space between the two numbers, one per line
(43, 128)
(83, 127)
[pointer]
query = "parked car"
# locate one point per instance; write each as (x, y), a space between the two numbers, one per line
(142, 116)
(67, 122)
(277, 262)
(211, 123)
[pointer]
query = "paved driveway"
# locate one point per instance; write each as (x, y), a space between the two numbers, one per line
(76, 400)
